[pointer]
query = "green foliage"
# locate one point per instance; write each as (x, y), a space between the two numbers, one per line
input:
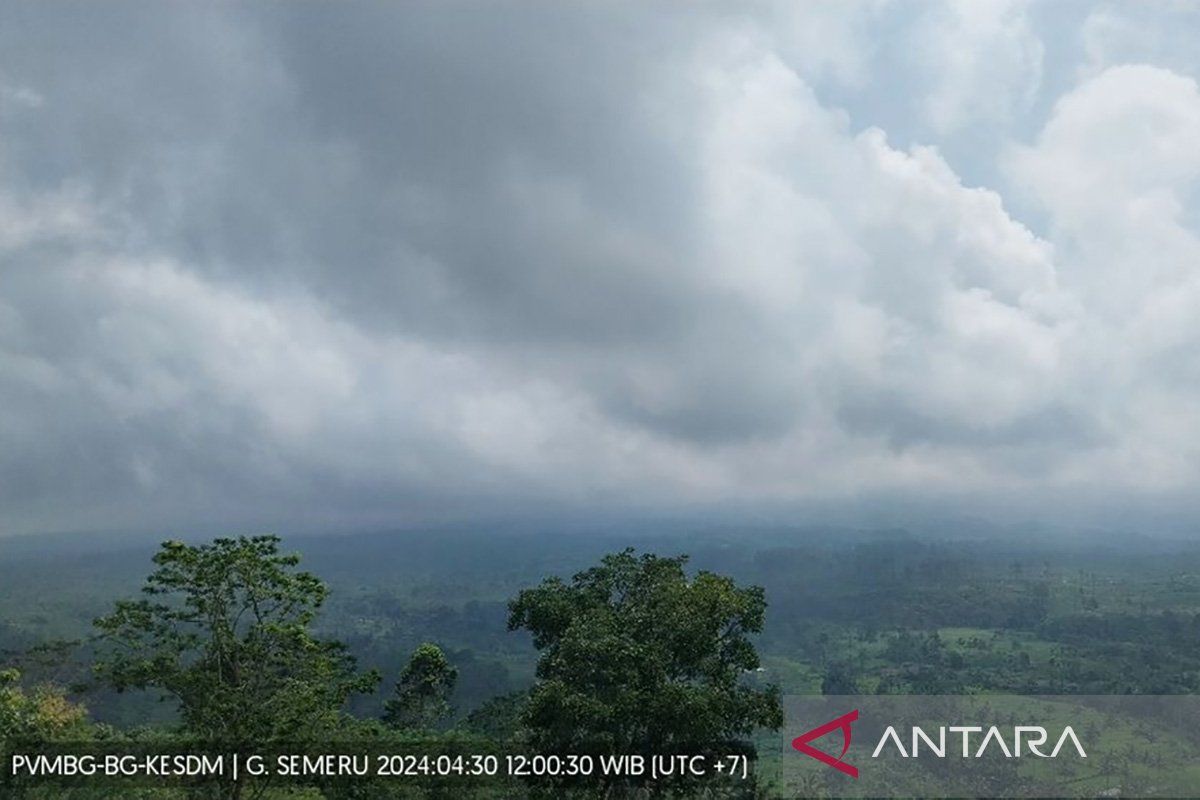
(41, 714)
(422, 698)
(224, 630)
(637, 657)
(840, 679)
(871, 613)
(499, 719)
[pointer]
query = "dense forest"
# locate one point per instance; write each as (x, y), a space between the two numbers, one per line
(462, 639)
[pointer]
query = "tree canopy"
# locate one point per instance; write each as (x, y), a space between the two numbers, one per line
(637, 656)
(224, 628)
(422, 697)
(41, 714)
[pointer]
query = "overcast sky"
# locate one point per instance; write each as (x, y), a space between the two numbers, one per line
(330, 266)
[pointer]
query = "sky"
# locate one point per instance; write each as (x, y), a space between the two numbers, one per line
(335, 266)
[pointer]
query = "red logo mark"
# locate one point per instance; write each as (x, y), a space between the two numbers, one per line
(801, 743)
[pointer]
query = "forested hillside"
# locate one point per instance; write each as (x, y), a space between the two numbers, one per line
(459, 619)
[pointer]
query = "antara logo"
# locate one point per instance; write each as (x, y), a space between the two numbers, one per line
(1025, 738)
(844, 722)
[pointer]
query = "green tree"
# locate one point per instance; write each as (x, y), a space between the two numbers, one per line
(499, 718)
(41, 714)
(422, 698)
(637, 657)
(224, 630)
(840, 679)
(35, 717)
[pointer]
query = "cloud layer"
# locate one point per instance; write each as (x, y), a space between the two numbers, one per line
(330, 266)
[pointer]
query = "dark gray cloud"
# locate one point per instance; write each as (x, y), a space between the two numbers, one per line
(336, 265)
